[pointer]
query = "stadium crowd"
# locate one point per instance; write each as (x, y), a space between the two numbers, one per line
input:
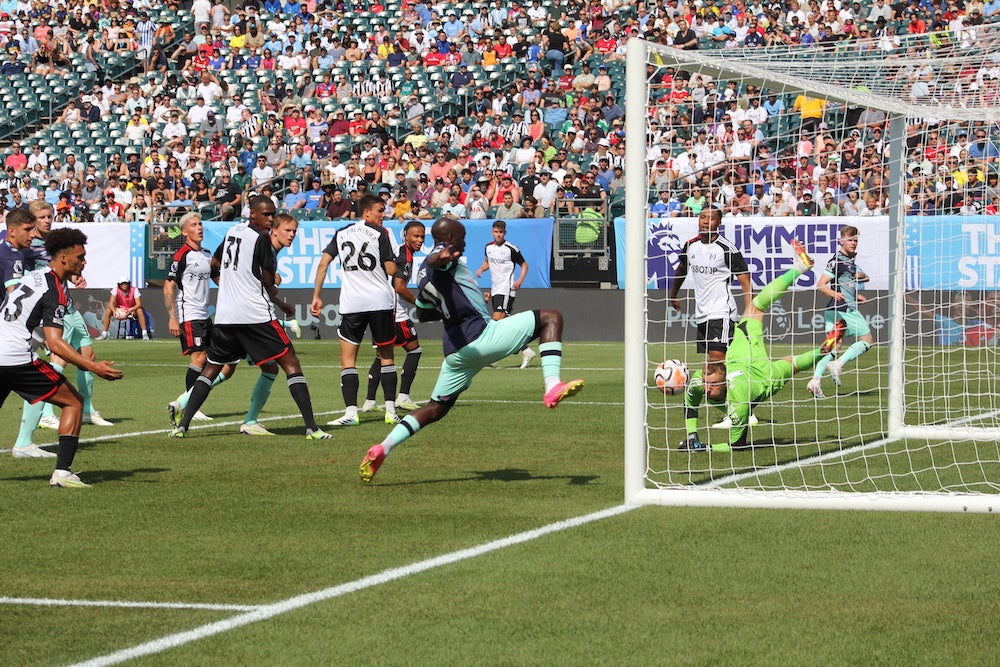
(548, 141)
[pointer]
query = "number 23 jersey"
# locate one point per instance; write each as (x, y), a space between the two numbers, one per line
(363, 250)
(39, 299)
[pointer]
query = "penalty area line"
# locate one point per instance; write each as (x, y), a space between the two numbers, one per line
(265, 612)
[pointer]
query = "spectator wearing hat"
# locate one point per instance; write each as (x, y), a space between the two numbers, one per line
(806, 206)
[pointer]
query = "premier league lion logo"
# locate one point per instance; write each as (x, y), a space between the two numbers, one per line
(663, 247)
(781, 322)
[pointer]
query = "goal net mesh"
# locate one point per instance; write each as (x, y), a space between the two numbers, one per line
(896, 136)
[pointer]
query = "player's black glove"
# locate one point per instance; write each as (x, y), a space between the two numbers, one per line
(693, 444)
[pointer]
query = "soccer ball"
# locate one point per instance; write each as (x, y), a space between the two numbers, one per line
(121, 313)
(671, 377)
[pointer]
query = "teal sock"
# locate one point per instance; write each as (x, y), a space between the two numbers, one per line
(774, 289)
(261, 392)
(85, 385)
(854, 351)
(551, 356)
(30, 414)
(183, 400)
(400, 432)
(821, 366)
(47, 409)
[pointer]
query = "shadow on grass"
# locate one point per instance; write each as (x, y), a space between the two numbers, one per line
(504, 475)
(94, 476)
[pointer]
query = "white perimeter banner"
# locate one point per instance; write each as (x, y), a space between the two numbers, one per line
(114, 249)
(764, 243)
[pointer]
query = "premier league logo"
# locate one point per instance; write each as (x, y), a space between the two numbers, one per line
(663, 247)
(781, 322)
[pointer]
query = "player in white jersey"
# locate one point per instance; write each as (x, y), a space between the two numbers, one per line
(367, 301)
(406, 333)
(712, 261)
(186, 293)
(502, 258)
(40, 299)
(245, 324)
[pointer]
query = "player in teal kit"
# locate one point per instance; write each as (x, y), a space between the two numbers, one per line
(473, 340)
(748, 376)
(840, 282)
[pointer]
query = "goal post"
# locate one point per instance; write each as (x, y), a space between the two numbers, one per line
(915, 423)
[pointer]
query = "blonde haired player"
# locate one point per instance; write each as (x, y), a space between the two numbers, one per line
(840, 282)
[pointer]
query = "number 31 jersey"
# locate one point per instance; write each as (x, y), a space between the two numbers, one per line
(243, 256)
(363, 251)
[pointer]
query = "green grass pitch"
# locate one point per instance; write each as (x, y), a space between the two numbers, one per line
(235, 522)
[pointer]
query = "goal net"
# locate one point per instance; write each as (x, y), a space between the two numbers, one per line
(897, 137)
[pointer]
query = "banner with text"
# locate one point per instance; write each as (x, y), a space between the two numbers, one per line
(297, 264)
(764, 243)
(955, 252)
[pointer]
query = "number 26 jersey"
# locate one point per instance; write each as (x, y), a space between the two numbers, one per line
(363, 250)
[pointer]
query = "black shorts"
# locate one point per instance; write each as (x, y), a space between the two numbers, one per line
(230, 343)
(381, 322)
(714, 335)
(405, 333)
(502, 303)
(194, 335)
(33, 382)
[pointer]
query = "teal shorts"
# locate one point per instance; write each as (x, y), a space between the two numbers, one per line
(748, 353)
(75, 330)
(500, 338)
(856, 324)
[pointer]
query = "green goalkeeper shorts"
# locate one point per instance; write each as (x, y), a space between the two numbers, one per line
(747, 353)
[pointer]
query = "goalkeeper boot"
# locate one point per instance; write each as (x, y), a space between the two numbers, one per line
(562, 390)
(815, 388)
(833, 338)
(371, 463)
(835, 367)
(803, 262)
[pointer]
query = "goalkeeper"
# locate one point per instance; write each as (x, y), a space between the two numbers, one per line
(748, 375)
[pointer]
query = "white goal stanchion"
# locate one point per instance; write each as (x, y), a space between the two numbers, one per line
(901, 139)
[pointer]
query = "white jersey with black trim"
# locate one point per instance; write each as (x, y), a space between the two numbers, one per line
(39, 299)
(711, 267)
(243, 256)
(363, 250)
(503, 258)
(191, 270)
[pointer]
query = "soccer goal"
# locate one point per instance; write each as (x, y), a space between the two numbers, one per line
(897, 137)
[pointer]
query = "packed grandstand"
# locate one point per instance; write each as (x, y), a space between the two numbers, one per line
(142, 111)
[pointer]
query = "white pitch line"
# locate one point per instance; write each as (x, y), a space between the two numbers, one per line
(269, 611)
(125, 604)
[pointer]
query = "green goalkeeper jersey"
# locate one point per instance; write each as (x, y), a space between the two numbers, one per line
(749, 381)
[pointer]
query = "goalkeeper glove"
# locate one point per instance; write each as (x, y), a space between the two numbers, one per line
(693, 444)
(293, 326)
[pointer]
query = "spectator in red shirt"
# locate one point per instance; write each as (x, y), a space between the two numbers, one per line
(17, 159)
(295, 124)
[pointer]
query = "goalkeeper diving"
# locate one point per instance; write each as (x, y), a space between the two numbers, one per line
(748, 376)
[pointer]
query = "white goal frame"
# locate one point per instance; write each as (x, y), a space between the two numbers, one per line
(637, 488)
